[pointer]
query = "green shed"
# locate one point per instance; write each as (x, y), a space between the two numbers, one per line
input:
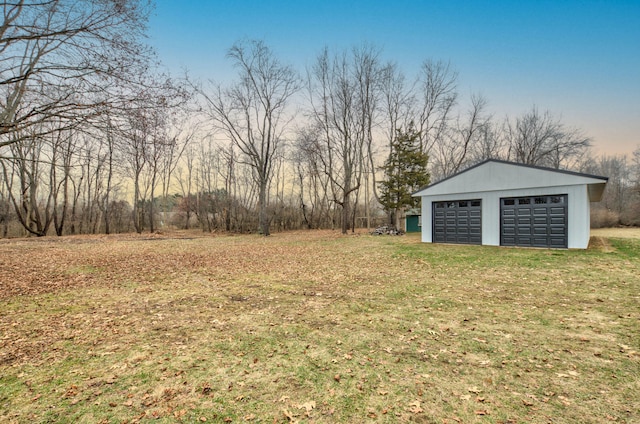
(413, 221)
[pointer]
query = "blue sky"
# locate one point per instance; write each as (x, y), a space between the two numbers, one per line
(578, 59)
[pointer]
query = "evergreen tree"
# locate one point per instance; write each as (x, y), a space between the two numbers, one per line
(405, 172)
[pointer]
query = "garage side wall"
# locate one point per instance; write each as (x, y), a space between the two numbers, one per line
(578, 212)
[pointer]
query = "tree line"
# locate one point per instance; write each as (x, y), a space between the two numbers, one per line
(94, 139)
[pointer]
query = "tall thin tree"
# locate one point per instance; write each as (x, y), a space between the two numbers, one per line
(253, 112)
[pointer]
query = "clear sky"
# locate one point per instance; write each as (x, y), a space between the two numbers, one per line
(579, 59)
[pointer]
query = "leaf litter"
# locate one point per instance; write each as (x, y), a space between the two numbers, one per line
(330, 328)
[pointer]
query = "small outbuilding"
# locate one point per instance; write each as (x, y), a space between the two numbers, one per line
(412, 221)
(501, 203)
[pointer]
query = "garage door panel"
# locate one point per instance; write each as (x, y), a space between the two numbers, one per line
(523, 241)
(458, 222)
(539, 221)
(540, 241)
(524, 231)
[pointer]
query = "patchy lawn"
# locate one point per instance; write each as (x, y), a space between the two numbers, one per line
(317, 327)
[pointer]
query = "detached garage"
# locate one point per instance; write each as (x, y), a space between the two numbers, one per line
(502, 203)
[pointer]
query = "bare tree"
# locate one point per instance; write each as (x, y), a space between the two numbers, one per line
(61, 58)
(435, 102)
(136, 145)
(29, 168)
(178, 141)
(185, 176)
(396, 102)
(63, 151)
(312, 181)
(454, 150)
(542, 139)
(490, 144)
(253, 112)
(635, 165)
(343, 94)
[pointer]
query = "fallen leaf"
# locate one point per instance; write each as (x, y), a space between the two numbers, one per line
(308, 406)
(288, 415)
(415, 407)
(564, 400)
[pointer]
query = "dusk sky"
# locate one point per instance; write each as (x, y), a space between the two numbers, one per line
(578, 59)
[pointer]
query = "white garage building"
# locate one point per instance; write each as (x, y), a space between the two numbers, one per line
(502, 203)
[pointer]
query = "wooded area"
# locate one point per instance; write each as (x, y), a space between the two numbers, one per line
(95, 139)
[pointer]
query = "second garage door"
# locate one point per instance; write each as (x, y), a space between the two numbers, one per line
(537, 221)
(459, 221)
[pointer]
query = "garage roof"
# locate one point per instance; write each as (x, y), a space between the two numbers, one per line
(494, 174)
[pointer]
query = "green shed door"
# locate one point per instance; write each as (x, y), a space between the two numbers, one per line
(413, 224)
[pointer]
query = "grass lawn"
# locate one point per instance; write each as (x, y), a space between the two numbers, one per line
(317, 327)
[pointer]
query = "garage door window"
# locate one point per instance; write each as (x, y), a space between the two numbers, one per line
(457, 221)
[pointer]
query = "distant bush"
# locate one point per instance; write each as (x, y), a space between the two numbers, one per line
(601, 218)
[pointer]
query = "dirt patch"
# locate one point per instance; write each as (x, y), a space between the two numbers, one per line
(600, 243)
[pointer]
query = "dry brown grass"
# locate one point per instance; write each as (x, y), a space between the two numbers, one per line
(618, 232)
(316, 327)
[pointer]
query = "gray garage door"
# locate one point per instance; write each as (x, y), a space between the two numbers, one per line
(459, 221)
(537, 221)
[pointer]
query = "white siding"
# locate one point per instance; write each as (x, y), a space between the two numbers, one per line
(505, 176)
(578, 215)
